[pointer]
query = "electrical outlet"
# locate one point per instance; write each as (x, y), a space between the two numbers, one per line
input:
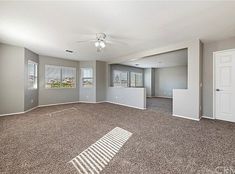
(31, 100)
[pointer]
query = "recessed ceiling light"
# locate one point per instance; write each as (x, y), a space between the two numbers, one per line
(69, 51)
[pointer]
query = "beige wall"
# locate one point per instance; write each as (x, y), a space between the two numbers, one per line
(208, 49)
(11, 79)
(53, 96)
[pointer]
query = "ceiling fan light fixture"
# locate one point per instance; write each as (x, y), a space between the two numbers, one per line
(97, 44)
(102, 44)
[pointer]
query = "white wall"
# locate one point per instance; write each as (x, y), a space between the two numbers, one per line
(54, 96)
(167, 79)
(134, 97)
(11, 79)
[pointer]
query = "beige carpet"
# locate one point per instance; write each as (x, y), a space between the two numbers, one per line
(41, 142)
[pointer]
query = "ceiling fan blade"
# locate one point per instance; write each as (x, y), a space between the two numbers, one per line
(84, 41)
(116, 42)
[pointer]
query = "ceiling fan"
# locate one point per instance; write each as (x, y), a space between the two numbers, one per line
(101, 41)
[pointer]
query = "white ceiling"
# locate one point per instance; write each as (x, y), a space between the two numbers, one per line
(49, 28)
(171, 59)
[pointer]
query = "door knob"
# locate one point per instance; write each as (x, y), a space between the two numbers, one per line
(218, 90)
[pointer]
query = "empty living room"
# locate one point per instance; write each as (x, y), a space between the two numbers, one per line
(117, 87)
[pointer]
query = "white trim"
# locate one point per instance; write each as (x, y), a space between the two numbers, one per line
(126, 105)
(92, 102)
(213, 97)
(208, 117)
(39, 106)
(163, 97)
(58, 104)
(222, 51)
(17, 113)
(214, 78)
(195, 119)
(31, 109)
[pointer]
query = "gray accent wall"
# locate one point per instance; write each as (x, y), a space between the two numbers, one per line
(30, 95)
(54, 96)
(101, 77)
(167, 79)
(11, 79)
(207, 72)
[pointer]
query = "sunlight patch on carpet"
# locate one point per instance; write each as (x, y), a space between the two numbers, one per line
(94, 159)
(61, 111)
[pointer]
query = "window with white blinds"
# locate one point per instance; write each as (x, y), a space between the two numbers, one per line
(136, 79)
(87, 77)
(60, 77)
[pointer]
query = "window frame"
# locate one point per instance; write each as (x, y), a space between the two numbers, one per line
(88, 78)
(135, 73)
(61, 75)
(120, 71)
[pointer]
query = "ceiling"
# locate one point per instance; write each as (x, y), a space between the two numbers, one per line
(49, 28)
(170, 59)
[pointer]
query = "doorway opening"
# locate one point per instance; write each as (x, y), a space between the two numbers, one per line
(162, 74)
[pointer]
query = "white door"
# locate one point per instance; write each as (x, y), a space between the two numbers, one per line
(224, 85)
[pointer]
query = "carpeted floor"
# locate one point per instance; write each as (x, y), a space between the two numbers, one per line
(42, 142)
(159, 104)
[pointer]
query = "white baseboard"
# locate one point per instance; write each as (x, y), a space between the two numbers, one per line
(164, 97)
(126, 105)
(208, 117)
(17, 113)
(54, 104)
(91, 102)
(31, 109)
(195, 119)
(39, 106)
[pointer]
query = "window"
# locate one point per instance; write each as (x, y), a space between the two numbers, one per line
(68, 77)
(60, 77)
(32, 75)
(136, 79)
(87, 77)
(120, 78)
